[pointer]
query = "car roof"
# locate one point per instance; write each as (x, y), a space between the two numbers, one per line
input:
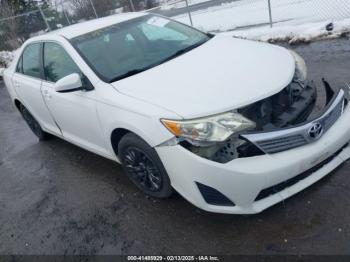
(89, 26)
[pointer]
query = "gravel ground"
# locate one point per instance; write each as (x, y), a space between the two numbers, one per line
(56, 198)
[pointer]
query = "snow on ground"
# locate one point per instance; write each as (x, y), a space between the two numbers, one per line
(296, 33)
(6, 58)
(294, 20)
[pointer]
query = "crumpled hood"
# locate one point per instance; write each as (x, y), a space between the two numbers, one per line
(223, 74)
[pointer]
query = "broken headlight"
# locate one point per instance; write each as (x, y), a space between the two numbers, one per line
(300, 67)
(215, 128)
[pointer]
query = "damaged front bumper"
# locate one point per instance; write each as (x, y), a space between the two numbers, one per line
(247, 185)
(288, 138)
(294, 117)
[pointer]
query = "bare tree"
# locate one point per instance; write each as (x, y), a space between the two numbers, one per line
(9, 27)
(82, 9)
(103, 7)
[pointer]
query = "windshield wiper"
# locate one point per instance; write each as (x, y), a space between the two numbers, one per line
(139, 70)
(182, 51)
(129, 73)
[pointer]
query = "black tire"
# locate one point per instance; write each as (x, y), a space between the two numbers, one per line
(33, 124)
(144, 167)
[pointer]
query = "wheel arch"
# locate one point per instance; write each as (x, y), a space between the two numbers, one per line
(117, 135)
(17, 104)
(119, 132)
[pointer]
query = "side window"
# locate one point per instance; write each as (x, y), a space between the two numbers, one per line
(31, 60)
(19, 66)
(57, 63)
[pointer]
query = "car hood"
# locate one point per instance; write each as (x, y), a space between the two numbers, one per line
(223, 74)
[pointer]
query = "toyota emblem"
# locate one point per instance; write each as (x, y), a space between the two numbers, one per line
(316, 130)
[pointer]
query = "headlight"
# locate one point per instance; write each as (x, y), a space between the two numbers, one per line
(300, 67)
(209, 129)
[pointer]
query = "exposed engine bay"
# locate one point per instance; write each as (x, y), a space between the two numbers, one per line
(289, 107)
(293, 106)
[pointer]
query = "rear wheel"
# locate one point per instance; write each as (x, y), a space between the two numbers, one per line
(143, 166)
(33, 124)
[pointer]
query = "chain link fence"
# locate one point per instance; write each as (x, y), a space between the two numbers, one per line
(15, 29)
(209, 15)
(242, 14)
(309, 10)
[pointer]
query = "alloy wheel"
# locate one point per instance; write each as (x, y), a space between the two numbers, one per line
(142, 169)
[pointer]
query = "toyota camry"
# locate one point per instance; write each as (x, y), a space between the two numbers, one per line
(230, 124)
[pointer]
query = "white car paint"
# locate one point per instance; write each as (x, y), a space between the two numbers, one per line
(207, 80)
(223, 74)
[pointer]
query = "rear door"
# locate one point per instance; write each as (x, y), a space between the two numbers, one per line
(27, 81)
(75, 112)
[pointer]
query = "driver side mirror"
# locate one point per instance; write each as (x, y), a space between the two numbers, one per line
(71, 83)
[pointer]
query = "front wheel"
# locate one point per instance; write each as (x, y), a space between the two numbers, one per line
(143, 166)
(33, 124)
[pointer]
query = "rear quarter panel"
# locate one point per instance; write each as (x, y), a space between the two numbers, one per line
(9, 72)
(7, 76)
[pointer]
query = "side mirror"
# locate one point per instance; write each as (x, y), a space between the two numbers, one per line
(69, 83)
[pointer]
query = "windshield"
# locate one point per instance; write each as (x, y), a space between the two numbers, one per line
(130, 47)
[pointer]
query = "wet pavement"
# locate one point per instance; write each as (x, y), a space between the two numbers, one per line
(56, 198)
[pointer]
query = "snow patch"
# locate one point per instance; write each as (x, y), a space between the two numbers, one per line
(6, 58)
(294, 20)
(297, 33)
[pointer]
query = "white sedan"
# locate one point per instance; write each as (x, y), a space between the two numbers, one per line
(228, 123)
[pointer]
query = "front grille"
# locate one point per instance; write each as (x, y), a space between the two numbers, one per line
(281, 144)
(292, 181)
(213, 197)
(334, 115)
(289, 138)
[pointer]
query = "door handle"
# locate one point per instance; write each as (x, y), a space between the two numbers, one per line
(16, 84)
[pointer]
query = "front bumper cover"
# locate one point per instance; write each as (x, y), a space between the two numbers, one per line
(241, 180)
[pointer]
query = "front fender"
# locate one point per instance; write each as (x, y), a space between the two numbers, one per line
(148, 128)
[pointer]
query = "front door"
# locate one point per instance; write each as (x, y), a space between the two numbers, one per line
(75, 112)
